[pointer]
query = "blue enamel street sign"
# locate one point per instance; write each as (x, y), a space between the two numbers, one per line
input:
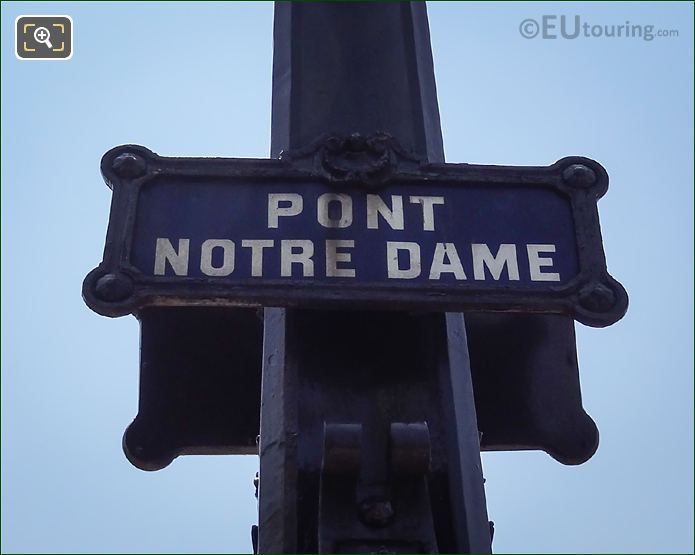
(354, 222)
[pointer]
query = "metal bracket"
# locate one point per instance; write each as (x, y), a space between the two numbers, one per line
(373, 490)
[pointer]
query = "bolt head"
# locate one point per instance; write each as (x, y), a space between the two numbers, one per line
(129, 165)
(579, 175)
(597, 297)
(114, 287)
(376, 512)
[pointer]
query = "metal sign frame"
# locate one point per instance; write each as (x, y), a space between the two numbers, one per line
(116, 287)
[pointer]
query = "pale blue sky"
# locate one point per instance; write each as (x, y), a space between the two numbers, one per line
(194, 79)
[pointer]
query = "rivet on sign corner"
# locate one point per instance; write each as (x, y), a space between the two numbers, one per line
(579, 175)
(113, 287)
(129, 165)
(597, 297)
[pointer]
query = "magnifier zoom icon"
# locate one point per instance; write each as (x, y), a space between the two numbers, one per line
(43, 35)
